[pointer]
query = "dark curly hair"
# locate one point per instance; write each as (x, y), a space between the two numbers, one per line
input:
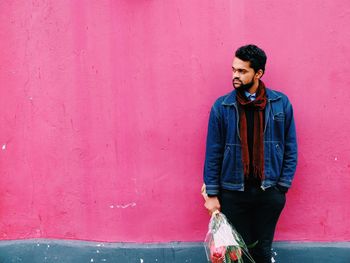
(255, 55)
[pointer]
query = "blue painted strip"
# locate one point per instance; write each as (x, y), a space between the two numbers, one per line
(65, 251)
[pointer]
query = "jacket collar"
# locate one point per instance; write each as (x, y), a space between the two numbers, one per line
(230, 98)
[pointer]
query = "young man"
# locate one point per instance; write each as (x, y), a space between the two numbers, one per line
(251, 153)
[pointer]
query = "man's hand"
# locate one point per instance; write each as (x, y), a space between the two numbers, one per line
(212, 204)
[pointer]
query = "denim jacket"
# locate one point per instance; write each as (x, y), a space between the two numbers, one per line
(223, 159)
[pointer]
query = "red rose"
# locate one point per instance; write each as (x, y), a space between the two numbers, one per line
(217, 254)
(235, 253)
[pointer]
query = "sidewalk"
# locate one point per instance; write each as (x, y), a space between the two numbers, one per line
(67, 251)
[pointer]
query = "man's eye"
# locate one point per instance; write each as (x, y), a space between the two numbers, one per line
(240, 71)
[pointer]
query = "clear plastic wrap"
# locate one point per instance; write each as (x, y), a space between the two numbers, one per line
(223, 244)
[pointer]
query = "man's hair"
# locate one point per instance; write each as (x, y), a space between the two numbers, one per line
(255, 55)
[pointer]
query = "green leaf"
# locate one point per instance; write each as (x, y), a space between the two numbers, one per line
(253, 245)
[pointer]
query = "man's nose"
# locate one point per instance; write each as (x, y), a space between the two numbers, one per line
(235, 75)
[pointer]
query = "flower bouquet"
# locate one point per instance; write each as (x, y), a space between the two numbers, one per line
(223, 244)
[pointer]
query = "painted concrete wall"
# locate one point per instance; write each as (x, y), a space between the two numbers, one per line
(104, 109)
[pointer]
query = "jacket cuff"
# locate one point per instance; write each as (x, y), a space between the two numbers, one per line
(212, 190)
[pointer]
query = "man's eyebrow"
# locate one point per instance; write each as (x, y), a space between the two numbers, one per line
(239, 68)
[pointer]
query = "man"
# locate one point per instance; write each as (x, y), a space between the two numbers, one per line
(251, 153)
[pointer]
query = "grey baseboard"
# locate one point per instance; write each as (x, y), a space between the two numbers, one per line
(66, 251)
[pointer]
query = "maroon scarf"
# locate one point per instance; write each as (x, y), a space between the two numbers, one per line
(258, 142)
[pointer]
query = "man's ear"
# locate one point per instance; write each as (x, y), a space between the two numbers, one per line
(259, 73)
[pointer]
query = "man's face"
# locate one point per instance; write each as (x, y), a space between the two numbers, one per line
(243, 76)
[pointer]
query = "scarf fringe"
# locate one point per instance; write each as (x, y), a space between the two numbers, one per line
(258, 172)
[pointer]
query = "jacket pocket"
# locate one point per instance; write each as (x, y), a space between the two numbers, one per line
(279, 116)
(231, 167)
(273, 160)
(226, 153)
(279, 151)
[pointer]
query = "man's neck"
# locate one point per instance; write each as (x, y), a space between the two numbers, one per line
(254, 88)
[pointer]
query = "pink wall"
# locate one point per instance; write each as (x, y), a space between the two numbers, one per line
(104, 108)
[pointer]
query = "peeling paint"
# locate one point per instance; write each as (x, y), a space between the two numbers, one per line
(127, 205)
(133, 204)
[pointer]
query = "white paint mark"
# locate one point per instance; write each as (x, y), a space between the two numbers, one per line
(98, 245)
(273, 260)
(275, 253)
(111, 206)
(48, 246)
(336, 158)
(97, 251)
(92, 260)
(4, 147)
(38, 245)
(126, 206)
(141, 260)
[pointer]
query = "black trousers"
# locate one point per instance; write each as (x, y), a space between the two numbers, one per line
(254, 213)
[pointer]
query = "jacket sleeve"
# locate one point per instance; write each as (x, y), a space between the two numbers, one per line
(290, 148)
(214, 153)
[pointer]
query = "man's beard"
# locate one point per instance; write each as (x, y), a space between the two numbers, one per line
(246, 86)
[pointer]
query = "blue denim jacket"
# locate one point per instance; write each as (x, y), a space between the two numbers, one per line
(223, 160)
